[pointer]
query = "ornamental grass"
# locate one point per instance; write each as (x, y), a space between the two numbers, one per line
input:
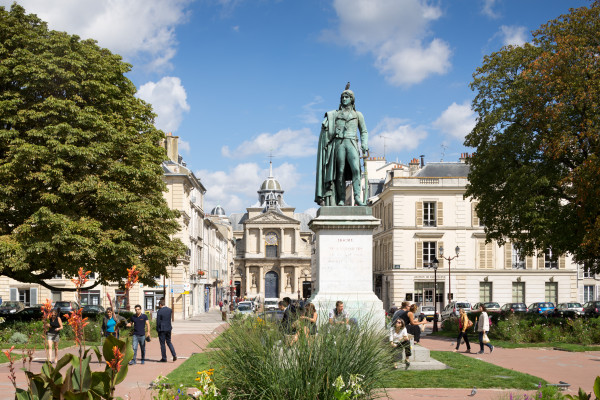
(257, 361)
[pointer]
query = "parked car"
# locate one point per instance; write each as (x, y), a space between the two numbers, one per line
(11, 307)
(545, 307)
(427, 312)
(244, 308)
(591, 309)
(271, 304)
(513, 308)
(66, 306)
(451, 310)
(91, 310)
(271, 316)
(568, 310)
(491, 306)
(26, 314)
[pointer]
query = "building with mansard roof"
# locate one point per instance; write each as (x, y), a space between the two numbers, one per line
(272, 247)
(422, 209)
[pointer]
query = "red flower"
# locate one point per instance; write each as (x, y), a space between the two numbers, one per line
(77, 323)
(81, 279)
(132, 277)
(115, 363)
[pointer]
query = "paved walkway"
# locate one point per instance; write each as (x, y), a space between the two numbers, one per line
(192, 336)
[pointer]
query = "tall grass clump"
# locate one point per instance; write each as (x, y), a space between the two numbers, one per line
(256, 361)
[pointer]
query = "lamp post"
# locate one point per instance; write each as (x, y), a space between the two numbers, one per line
(435, 263)
(457, 250)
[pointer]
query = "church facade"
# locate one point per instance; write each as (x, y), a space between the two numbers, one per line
(272, 248)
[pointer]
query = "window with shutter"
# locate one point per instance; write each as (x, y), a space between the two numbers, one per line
(550, 260)
(561, 262)
(439, 208)
(517, 259)
(507, 255)
(419, 213)
(529, 262)
(14, 294)
(474, 218)
(419, 255)
(486, 254)
(33, 296)
(429, 254)
(518, 292)
(429, 214)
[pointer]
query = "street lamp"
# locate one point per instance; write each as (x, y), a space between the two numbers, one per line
(435, 264)
(457, 250)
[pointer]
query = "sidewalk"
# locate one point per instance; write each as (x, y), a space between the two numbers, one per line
(192, 336)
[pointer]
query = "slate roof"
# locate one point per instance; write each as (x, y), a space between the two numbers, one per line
(443, 169)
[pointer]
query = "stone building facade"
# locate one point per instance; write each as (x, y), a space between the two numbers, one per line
(273, 247)
(422, 208)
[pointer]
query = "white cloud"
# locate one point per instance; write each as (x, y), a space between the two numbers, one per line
(236, 188)
(395, 134)
(313, 114)
(488, 9)
(139, 30)
(285, 143)
(457, 120)
(184, 146)
(168, 99)
(515, 35)
(396, 33)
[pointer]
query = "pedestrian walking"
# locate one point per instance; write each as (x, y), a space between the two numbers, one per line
(164, 328)
(483, 327)
(141, 333)
(221, 306)
(54, 326)
(463, 324)
(110, 323)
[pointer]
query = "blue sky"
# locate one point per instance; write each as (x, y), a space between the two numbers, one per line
(238, 80)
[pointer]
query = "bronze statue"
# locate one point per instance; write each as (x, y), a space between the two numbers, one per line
(338, 156)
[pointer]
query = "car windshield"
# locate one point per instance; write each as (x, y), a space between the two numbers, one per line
(427, 308)
(491, 305)
(572, 305)
(10, 304)
(243, 307)
(62, 304)
(546, 305)
(518, 305)
(463, 305)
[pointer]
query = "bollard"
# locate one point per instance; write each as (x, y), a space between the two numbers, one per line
(224, 315)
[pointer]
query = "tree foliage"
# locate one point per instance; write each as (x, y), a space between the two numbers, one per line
(536, 169)
(80, 176)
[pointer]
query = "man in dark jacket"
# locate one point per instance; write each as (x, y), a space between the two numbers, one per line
(164, 328)
(289, 316)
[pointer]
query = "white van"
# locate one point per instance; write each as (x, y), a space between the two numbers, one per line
(271, 304)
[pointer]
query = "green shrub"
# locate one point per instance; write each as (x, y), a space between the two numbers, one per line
(257, 362)
(18, 338)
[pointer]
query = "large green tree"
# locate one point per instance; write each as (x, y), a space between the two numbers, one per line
(536, 169)
(80, 176)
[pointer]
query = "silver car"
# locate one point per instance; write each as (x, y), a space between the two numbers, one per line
(569, 310)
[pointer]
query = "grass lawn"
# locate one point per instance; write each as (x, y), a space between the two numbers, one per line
(466, 372)
(17, 354)
(186, 373)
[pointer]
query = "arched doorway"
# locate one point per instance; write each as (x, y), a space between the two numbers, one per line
(271, 285)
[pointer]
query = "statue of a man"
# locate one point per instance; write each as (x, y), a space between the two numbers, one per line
(338, 156)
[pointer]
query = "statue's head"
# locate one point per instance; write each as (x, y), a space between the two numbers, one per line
(349, 93)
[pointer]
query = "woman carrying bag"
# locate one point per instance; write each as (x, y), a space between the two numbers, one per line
(483, 327)
(463, 325)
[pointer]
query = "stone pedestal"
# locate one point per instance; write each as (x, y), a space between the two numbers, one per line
(343, 264)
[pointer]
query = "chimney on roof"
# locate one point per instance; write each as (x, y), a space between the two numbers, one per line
(172, 148)
(464, 157)
(422, 160)
(413, 166)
